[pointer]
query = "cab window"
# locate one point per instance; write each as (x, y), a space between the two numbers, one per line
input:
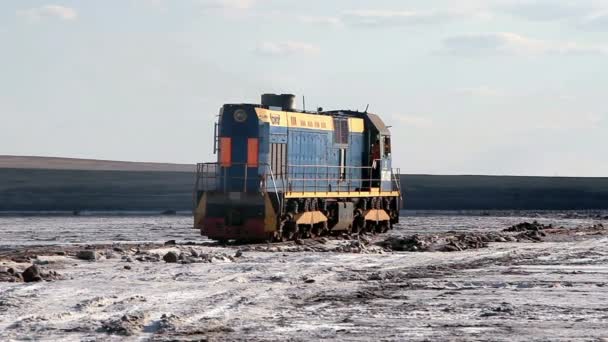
(387, 147)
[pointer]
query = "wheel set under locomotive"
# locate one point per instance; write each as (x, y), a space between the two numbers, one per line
(358, 216)
(283, 174)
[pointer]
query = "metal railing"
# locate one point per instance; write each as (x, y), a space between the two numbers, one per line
(326, 178)
(297, 178)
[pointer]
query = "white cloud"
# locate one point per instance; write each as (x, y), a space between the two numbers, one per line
(595, 22)
(546, 10)
(49, 11)
(594, 118)
(286, 48)
(586, 14)
(324, 21)
(506, 43)
(379, 18)
(228, 4)
(150, 3)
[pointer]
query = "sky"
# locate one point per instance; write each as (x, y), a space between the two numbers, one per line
(469, 87)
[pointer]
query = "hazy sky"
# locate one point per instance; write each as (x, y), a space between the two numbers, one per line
(470, 87)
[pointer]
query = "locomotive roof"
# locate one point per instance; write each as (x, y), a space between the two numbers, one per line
(374, 119)
(347, 112)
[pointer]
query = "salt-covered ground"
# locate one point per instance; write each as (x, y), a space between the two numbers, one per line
(509, 291)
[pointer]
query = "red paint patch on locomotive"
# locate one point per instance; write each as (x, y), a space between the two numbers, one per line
(215, 228)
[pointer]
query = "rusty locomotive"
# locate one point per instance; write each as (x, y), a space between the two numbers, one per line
(283, 174)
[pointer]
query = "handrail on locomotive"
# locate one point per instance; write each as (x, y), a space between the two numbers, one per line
(208, 177)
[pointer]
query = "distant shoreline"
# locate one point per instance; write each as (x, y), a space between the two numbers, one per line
(58, 163)
(66, 185)
(101, 213)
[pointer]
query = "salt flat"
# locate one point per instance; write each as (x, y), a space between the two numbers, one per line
(508, 291)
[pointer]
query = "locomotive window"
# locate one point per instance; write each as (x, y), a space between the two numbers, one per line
(341, 131)
(323, 125)
(294, 121)
(387, 146)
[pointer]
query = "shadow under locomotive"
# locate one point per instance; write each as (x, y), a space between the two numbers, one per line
(283, 174)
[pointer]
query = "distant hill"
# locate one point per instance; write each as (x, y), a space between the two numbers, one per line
(61, 184)
(68, 190)
(54, 163)
(504, 192)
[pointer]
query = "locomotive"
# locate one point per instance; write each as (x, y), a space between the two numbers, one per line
(283, 174)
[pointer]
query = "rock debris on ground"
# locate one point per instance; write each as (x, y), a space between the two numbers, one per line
(526, 281)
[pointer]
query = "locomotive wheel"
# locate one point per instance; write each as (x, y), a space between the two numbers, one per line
(325, 228)
(301, 232)
(369, 228)
(279, 235)
(378, 228)
(382, 227)
(358, 225)
(315, 231)
(288, 232)
(288, 236)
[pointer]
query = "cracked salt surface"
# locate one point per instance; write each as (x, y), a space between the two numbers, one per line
(509, 291)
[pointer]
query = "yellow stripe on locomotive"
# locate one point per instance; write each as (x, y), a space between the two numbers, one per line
(303, 120)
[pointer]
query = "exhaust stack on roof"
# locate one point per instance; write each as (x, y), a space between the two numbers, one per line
(286, 102)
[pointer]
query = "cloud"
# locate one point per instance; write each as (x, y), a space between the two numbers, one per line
(48, 11)
(149, 3)
(506, 43)
(323, 21)
(585, 14)
(595, 22)
(491, 43)
(594, 119)
(383, 18)
(286, 49)
(228, 4)
(547, 10)
(378, 18)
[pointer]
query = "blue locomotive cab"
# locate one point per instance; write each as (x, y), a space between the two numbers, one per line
(238, 148)
(228, 201)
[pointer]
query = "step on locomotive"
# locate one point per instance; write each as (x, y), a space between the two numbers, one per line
(283, 174)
